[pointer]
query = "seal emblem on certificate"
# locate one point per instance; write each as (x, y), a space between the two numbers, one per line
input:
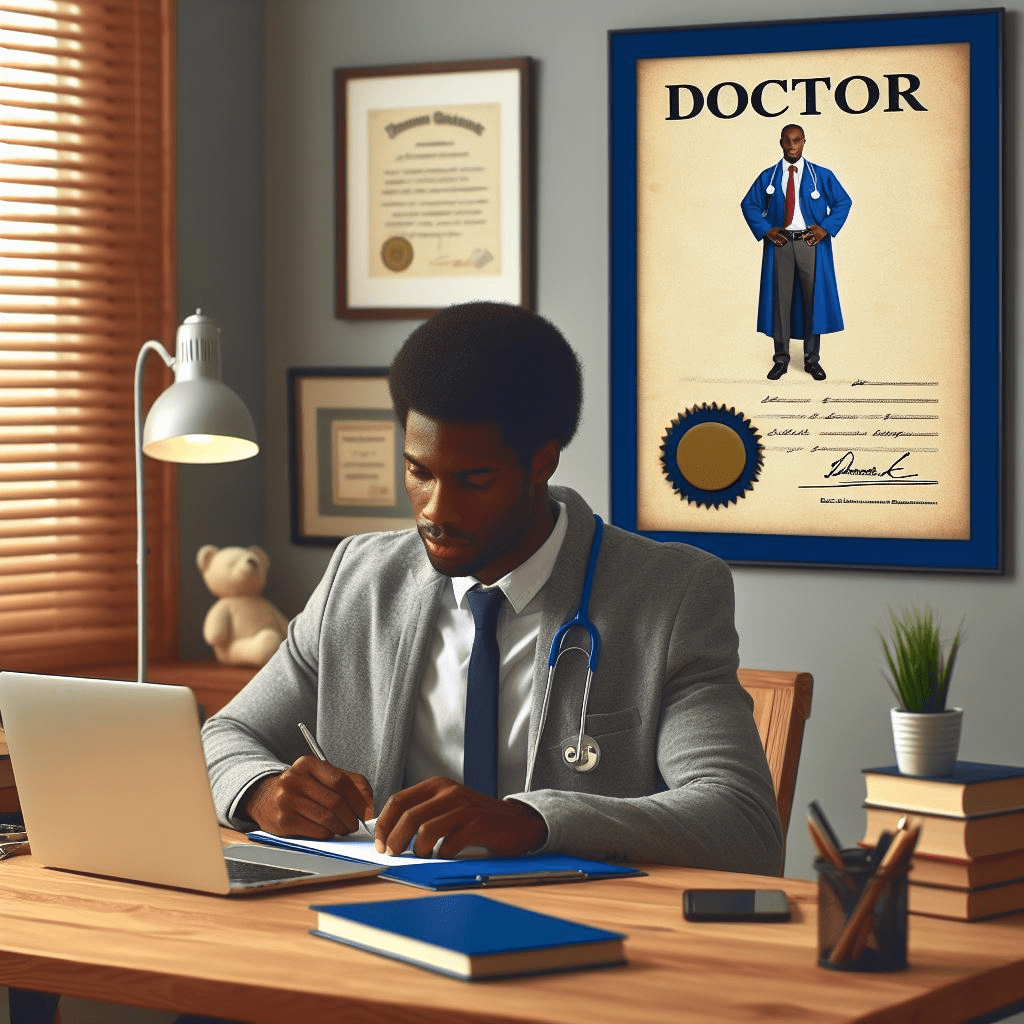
(396, 253)
(711, 455)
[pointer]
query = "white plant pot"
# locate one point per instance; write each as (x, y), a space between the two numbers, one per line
(926, 744)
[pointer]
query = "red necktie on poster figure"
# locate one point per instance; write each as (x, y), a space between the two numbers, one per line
(790, 195)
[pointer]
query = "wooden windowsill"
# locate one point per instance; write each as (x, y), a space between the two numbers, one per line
(213, 684)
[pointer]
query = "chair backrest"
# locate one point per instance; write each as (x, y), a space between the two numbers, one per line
(782, 703)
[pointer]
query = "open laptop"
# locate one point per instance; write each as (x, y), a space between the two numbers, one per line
(112, 781)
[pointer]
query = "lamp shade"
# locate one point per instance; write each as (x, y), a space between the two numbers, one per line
(199, 421)
(199, 418)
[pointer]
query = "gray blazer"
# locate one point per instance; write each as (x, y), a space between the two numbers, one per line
(682, 777)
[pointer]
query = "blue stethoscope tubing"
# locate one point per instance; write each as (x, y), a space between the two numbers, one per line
(582, 757)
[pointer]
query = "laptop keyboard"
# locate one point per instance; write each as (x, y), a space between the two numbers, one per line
(246, 872)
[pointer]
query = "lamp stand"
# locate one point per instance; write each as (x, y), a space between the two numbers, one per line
(141, 554)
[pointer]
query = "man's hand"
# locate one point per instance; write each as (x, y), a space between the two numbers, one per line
(814, 234)
(440, 809)
(312, 799)
(776, 236)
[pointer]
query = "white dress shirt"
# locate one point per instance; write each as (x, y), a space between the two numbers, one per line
(438, 731)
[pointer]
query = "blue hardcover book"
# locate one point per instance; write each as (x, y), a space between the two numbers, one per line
(972, 789)
(469, 936)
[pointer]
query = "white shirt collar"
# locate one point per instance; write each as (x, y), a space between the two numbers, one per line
(522, 584)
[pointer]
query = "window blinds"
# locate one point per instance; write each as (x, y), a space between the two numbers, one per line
(86, 276)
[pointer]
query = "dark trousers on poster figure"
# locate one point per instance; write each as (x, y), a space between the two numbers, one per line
(794, 260)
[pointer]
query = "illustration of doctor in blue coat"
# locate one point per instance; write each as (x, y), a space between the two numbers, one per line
(796, 207)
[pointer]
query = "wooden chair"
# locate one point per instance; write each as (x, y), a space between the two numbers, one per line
(782, 703)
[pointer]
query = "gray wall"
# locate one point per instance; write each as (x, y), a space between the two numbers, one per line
(811, 619)
(221, 158)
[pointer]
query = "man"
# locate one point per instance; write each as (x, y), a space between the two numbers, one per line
(796, 207)
(381, 659)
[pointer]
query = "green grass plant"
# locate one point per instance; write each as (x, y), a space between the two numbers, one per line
(920, 666)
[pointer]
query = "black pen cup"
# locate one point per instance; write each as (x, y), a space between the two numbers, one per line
(858, 933)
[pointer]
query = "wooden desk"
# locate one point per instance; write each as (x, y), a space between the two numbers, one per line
(252, 958)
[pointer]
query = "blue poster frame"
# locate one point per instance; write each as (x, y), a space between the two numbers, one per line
(982, 29)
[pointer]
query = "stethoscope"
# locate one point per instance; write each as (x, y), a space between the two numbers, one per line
(582, 756)
(815, 194)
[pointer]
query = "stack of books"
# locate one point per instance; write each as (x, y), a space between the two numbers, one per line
(969, 860)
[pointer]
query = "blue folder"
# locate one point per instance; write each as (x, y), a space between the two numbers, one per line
(492, 872)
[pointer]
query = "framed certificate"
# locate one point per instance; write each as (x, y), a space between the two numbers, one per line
(434, 187)
(878, 441)
(345, 455)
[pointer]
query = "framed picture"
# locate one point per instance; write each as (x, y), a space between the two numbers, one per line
(434, 186)
(345, 455)
(878, 444)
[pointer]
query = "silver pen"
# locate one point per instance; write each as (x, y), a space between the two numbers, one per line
(318, 751)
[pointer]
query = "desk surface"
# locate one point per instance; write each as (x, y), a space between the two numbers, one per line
(252, 958)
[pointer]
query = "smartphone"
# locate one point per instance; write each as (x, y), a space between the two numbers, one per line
(735, 905)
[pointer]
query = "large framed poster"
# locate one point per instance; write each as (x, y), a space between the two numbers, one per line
(810, 375)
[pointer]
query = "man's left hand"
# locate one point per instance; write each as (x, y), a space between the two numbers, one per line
(814, 234)
(440, 809)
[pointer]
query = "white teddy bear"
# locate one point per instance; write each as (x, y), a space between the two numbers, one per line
(242, 627)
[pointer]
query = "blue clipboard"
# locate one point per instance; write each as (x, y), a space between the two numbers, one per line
(494, 872)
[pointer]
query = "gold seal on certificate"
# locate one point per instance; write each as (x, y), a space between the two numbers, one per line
(396, 253)
(711, 455)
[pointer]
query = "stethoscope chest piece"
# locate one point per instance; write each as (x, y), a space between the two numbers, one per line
(585, 758)
(583, 755)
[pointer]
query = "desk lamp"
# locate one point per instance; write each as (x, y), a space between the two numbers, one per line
(196, 419)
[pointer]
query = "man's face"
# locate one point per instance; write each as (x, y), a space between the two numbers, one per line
(792, 142)
(479, 511)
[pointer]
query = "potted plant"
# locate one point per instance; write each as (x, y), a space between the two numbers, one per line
(926, 733)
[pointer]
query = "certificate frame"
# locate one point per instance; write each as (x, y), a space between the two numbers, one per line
(722, 46)
(405, 247)
(345, 455)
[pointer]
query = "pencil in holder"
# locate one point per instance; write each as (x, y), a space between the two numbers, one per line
(862, 917)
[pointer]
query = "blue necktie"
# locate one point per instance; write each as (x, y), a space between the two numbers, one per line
(480, 760)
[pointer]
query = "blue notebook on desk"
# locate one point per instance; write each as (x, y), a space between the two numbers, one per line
(464, 873)
(469, 936)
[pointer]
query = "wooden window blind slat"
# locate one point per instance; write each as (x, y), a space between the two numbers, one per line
(70, 579)
(59, 600)
(63, 529)
(30, 647)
